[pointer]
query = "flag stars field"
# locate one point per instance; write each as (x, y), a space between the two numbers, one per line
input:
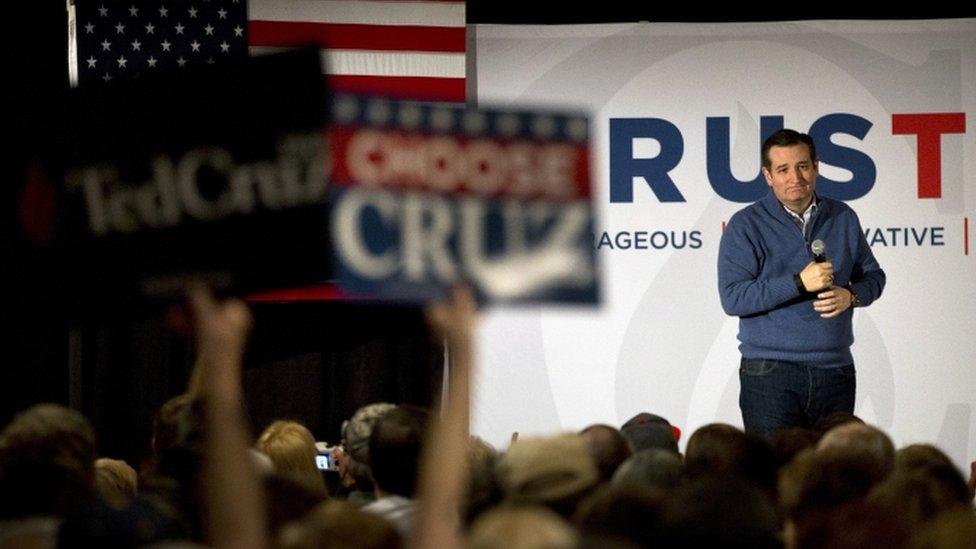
(195, 33)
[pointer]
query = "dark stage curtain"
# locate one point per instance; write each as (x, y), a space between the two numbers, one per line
(315, 363)
(33, 327)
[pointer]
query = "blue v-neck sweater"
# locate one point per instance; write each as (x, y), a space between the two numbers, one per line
(761, 249)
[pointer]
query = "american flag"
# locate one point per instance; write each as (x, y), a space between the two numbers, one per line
(396, 48)
(122, 40)
(412, 50)
(400, 49)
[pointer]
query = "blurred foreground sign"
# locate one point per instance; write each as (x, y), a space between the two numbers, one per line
(425, 196)
(218, 175)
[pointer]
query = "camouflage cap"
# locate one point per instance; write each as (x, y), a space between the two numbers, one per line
(356, 431)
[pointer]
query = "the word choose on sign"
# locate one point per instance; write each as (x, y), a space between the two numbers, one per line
(424, 197)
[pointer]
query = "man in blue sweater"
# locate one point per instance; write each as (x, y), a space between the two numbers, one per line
(795, 312)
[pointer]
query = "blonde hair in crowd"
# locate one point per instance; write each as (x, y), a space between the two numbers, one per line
(115, 481)
(291, 447)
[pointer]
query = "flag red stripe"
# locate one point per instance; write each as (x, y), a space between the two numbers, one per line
(356, 37)
(318, 292)
(400, 87)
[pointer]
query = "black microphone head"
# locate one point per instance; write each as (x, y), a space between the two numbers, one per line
(819, 249)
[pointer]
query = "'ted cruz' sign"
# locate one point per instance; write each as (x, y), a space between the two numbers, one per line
(426, 196)
(215, 175)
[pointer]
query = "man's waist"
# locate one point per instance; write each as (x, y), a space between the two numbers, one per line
(818, 358)
(780, 361)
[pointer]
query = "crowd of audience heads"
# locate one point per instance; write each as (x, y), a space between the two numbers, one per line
(841, 483)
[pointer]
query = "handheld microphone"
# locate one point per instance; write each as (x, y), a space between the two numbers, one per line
(819, 250)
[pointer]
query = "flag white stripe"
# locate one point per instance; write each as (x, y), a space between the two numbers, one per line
(72, 46)
(427, 14)
(367, 63)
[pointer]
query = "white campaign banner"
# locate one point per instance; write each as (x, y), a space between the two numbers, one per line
(678, 111)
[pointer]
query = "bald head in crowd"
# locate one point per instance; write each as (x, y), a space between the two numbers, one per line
(866, 441)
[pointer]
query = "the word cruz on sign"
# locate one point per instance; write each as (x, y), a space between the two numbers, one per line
(425, 196)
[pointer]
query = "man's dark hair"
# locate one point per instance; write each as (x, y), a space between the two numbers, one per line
(721, 512)
(171, 485)
(632, 513)
(786, 138)
(608, 447)
(47, 462)
(177, 440)
(951, 530)
(855, 524)
(288, 499)
(789, 442)
(919, 495)
(394, 449)
(818, 480)
(921, 456)
(720, 449)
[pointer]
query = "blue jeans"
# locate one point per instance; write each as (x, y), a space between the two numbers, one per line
(776, 394)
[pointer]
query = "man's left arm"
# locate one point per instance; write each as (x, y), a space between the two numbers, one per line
(867, 278)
